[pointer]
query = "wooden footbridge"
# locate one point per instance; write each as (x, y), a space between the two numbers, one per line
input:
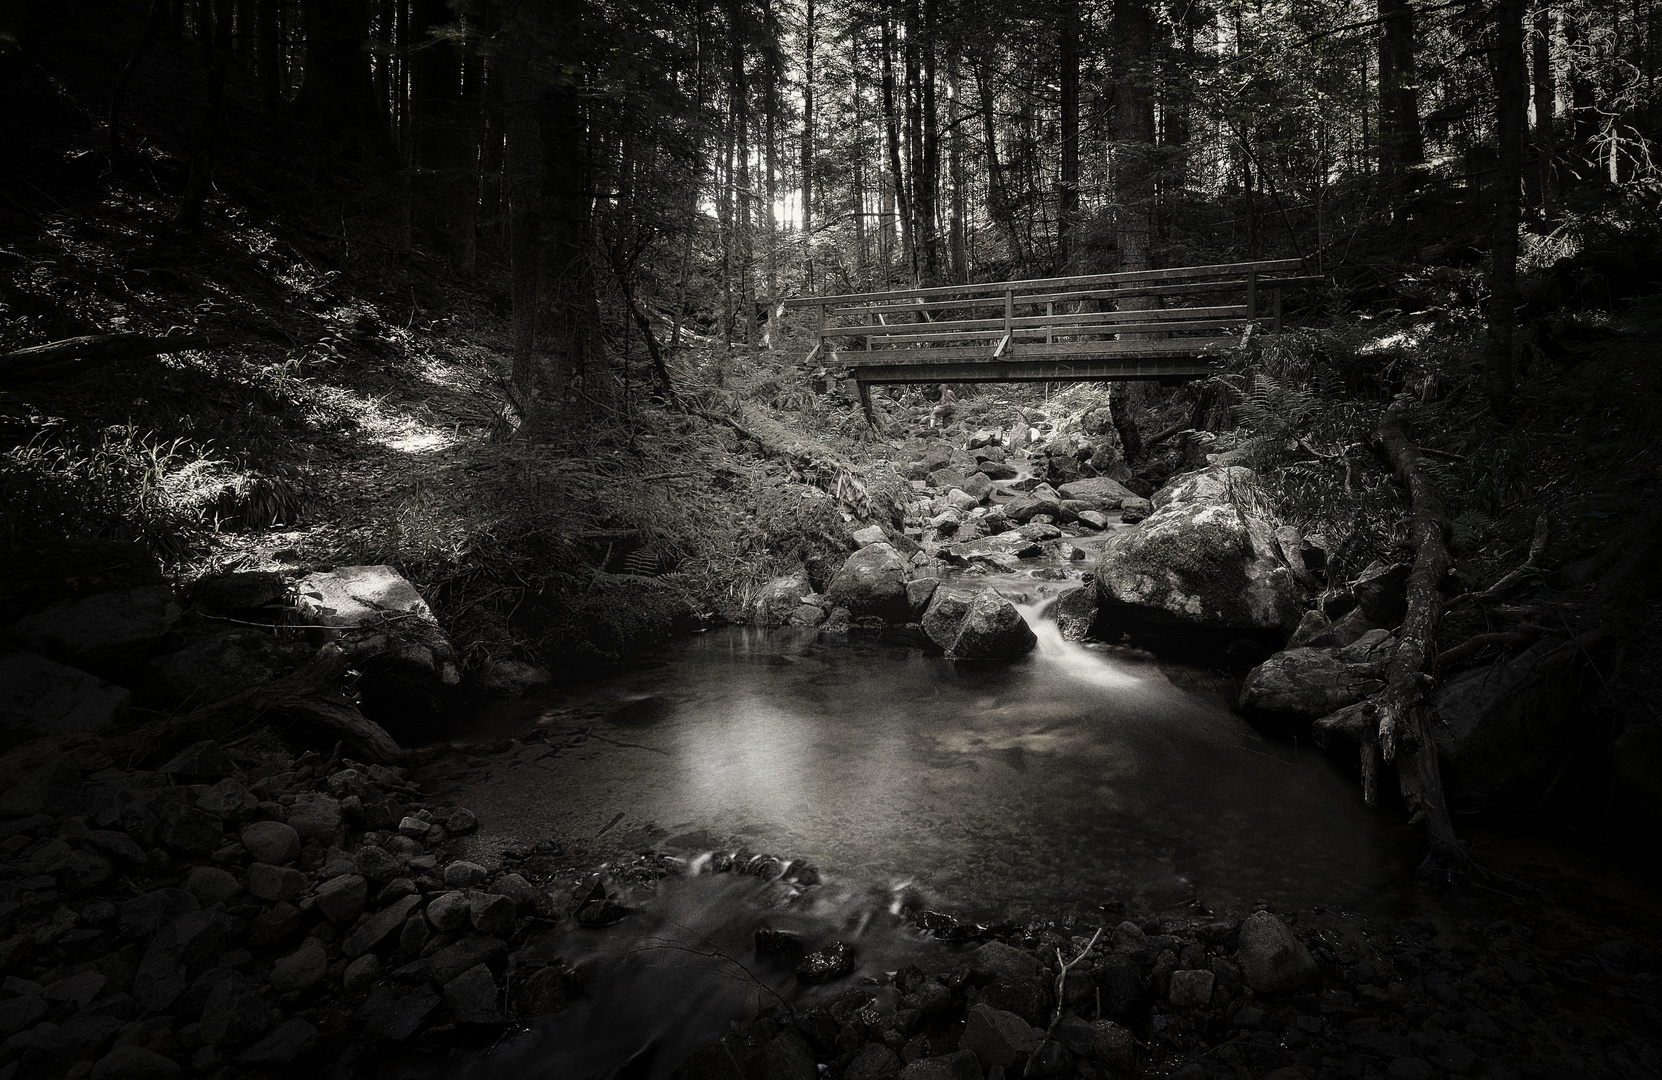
(1159, 324)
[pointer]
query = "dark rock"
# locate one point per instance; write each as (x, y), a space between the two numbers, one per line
(271, 842)
(239, 594)
(1026, 509)
(992, 628)
(1381, 594)
(201, 762)
(117, 844)
(780, 944)
(462, 874)
(228, 800)
(235, 1014)
(1504, 728)
(1191, 989)
(1271, 958)
(302, 969)
(378, 864)
(541, 992)
(472, 997)
(102, 627)
(1124, 993)
(268, 882)
(1308, 683)
(872, 583)
(999, 1039)
(394, 1016)
(779, 599)
(361, 973)
(288, 1042)
(315, 817)
(491, 914)
(273, 926)
(823, 965)
(147, 913)
(85, 870)
(40, 697)
(448, 911)
(379, 928)
(1076, 613)
(134, 1063)
(342, 898)
(787, 1057)
(189, 829)
(452, 960)
(919, 592)
(874, 1061)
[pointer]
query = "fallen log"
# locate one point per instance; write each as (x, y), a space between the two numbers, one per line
(71, 356)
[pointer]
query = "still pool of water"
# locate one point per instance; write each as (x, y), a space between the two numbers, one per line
(1071, 778)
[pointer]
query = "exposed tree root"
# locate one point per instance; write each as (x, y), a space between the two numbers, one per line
(1394, 726)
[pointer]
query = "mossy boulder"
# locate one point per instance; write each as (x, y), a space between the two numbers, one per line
(1206, 558)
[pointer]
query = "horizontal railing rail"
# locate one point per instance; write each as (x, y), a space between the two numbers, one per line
(1161, 324)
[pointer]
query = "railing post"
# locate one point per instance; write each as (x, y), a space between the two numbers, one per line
(1276, 301)
(871, 320)
(1252, 296)
(1050, 313)
(819, 323)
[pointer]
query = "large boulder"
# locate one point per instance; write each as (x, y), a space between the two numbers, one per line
(1502, 729)
(872, 583)
(1076, 613)
(780, 598)
(1106, 492)
(39, 697)
(1207, 558)
(221, 665)
(405, 660)
(102, 628)
(1308, 683)
(980, 626)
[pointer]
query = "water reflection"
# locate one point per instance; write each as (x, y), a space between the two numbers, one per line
(1064, 780)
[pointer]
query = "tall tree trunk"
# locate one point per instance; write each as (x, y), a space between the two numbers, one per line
(445, 149)
(338, 94)
(213, 29)
(523, 181)
(569, 366)
(1510, 88)
(1134, 131)
(1546, 95)
(891, 128)
(1067, 184)
(742, 194)
(998, 199)
(956, 238)
(806, 178)
(152, 25)
(927, 174)
(1401, 144)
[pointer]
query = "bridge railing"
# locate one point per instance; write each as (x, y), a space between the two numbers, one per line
(1178, 311)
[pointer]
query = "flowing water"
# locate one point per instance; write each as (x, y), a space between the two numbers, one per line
(1085, 783)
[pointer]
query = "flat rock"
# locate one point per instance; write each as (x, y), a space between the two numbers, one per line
(1104, 493)
(289, 1041)
(41, 697)
(452, 960)
(379, 928)
(1191, 989)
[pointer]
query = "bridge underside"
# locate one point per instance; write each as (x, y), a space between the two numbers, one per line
(1096, 369)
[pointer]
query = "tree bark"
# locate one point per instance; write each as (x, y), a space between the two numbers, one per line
(1067, 182)
(444, 148)
(1404, 724)
(806, 179)
(1401, 144)
(213, 28)
(523, 181)
(1510, 89)
(152, 24)
(1546, 94)
(891, 128)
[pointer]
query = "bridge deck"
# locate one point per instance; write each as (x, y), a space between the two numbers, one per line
(1159, 324)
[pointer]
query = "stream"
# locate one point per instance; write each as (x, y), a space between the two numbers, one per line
(1084, 782)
